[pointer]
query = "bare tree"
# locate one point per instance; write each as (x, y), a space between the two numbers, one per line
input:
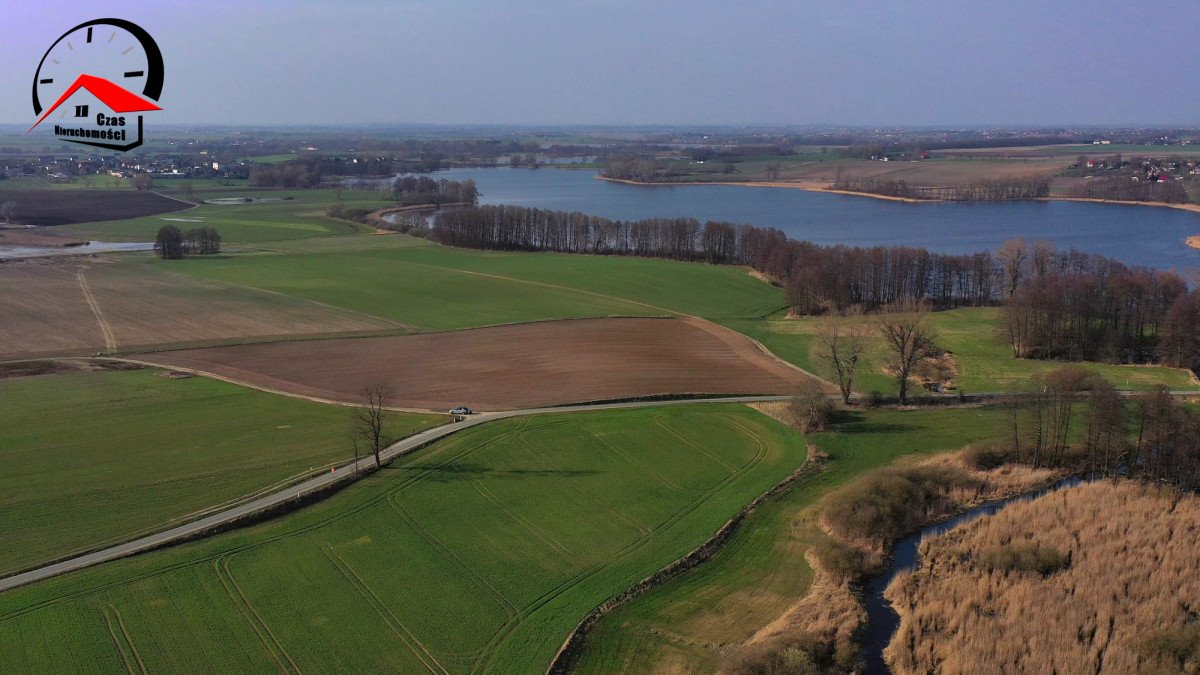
(143, 181)
(8, 210)
(188, 191)
(842, 344)
(368, 419)
(1043, 256)
(908, 338)
(810, 407)
(773, 170)
(1012, 255)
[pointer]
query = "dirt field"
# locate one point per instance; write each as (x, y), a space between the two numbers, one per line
(507, 367)
(89, 304)
(67, 207)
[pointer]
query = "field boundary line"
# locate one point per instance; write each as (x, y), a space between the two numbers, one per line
(110, 341)
(259, 387)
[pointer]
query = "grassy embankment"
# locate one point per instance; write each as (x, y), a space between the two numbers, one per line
(93, 458)
(479, 553)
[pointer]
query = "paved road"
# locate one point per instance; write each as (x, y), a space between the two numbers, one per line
(400, 448)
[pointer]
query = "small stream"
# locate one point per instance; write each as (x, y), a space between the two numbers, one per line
(882, 620)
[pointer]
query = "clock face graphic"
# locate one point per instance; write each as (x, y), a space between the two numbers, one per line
(105, 68)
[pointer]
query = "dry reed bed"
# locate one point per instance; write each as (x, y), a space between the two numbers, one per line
(1129, 587)
(830, 612)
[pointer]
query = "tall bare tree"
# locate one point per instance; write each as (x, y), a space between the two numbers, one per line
(1012, 255)
(842, 344)
(368, 421)
(8, 210)
(908, 338)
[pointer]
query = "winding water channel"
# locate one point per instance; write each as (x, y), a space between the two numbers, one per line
(882, 620)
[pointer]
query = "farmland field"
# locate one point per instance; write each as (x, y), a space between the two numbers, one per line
(480, 553)
(985, 364)
(280, 215)
(63, 207)
(86, 305)
(505, 367)
(688, 623)
(92, 458)
(439, 288)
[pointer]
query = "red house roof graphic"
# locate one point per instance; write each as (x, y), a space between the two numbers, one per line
(117, 99)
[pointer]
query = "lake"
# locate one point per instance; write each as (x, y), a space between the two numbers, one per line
(1137, 235)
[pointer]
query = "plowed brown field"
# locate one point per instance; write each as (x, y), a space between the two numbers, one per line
(507, 367)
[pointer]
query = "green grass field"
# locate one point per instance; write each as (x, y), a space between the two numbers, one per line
(92, 458)
(985, 363)
(433, 287)
(478, 554)
(683, 625)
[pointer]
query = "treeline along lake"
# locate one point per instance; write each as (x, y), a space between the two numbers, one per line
(1135, 235)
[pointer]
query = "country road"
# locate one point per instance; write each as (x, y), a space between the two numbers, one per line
(344, 472)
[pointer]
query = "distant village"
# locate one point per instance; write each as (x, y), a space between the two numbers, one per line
(70, 167)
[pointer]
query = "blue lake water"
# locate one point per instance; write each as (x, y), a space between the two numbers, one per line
(1137, 235)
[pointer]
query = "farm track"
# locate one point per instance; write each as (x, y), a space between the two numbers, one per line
(110, 341)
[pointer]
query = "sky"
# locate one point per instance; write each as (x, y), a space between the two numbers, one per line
(681, 62)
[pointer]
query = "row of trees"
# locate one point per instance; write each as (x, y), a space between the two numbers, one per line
(986, 191)
(1057, 304)
(412, 190)
(1076, 418)
(818, 278)
(172, 244)
(1077, 306)
(285, 175)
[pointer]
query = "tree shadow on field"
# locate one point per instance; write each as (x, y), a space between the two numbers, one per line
(462, 471)
(855, 422)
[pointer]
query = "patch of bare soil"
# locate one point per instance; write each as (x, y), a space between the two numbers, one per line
(507, 367)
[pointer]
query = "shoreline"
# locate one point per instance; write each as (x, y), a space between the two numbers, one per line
(813, 186)
(808, 186)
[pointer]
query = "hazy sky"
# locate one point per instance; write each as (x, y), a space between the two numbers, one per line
(902, 62)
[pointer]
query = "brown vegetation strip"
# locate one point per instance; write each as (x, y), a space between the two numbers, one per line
(1100, 578)
(508, 367)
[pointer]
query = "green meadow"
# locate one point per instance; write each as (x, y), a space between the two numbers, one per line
(95, 458)
(685, 624)
(479, 553)
(985, 363)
